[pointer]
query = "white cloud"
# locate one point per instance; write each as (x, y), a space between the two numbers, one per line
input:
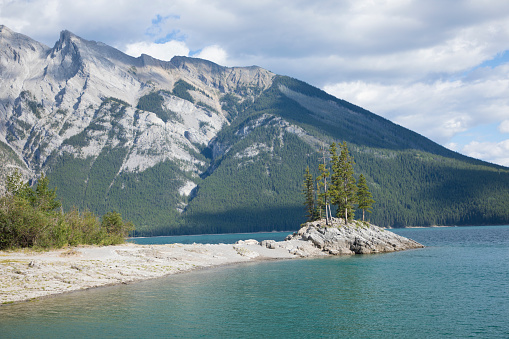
(495, 152)
(168, 50)
(414, 62)
(439, 109)
(452, 146)
(215, 54)
(504, 126)
(319, 42)
(164, 51)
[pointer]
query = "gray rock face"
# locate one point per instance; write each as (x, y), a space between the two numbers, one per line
(51, 96)
(354, 238)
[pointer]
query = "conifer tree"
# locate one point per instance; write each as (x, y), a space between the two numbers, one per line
(46, 198)
(345, 188)
(364, 196)
(320, 204)
(323, 190)
(335, 186)
(309, 194)
(19, 188)
(43, 197)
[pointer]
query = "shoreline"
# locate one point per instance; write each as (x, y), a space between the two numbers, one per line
(198, 268)
(435, 226)
(211, 234)
(29, 275)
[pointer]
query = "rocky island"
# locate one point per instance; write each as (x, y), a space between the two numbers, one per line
(355, 238)
(26, 275)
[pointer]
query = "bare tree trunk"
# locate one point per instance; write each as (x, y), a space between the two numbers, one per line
(346, 211)
(327, 207)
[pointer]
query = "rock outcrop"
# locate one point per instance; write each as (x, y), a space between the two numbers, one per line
(354, 238)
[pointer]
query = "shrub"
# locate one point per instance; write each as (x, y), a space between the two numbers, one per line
(28, 219)
(115, 227)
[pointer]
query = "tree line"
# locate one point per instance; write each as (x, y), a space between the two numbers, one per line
(336, 187)
(34, 218)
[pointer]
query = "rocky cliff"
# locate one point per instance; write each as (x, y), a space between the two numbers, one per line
(50, 95)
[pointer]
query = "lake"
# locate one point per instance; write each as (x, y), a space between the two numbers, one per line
(456, 287)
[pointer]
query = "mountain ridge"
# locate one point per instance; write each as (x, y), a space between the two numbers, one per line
(179, 146)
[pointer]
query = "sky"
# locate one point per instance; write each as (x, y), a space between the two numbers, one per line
(437, 67)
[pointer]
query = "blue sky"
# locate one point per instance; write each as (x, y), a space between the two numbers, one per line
(438, 67)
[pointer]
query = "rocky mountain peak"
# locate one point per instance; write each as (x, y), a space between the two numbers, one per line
(226, 79)
(70, 43)
(11, 39)
(67, 35)
(183, 62)
(65, 41)
(4, 30)
(147, 60)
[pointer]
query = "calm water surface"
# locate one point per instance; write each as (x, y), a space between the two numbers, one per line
(457, 287)
(211, 238)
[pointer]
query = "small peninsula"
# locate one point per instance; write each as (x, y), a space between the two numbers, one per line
(27, 274)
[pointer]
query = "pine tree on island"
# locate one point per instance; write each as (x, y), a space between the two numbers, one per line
(324, 194)
(336, 186)
(335, 176)
(345, 186)
(309, 193)
(364, 196)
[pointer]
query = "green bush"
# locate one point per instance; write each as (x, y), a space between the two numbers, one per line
(31, 218)
(21, 225)
(115, 227)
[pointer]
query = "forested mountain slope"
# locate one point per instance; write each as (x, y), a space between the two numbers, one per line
(188, 146)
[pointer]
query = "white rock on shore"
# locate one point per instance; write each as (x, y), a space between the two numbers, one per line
(26, 274)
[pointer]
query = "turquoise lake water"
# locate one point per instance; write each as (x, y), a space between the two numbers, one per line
(456, 287)
(211, 238)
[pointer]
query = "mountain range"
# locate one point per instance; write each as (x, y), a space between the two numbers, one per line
(188, 146)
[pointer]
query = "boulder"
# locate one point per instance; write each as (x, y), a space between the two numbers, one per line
(272, 244)
(247, 242)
